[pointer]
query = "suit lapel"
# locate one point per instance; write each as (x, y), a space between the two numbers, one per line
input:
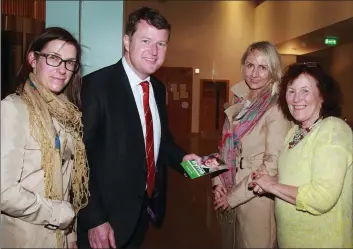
(160, 102)
(158, 95)
(129, 107)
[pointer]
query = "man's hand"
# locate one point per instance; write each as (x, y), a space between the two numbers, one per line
(101, 236)
(192, 157)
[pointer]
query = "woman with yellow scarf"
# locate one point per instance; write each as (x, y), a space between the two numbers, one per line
(44, 176)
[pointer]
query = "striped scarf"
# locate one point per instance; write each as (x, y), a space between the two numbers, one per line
(231, 136)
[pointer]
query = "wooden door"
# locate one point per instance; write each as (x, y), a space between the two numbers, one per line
(213, 96)
(178, 82)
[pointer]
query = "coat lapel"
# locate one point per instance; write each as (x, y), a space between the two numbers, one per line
(233, 111)
(240, 89)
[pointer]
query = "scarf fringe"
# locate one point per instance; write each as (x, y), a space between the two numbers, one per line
(43, 106)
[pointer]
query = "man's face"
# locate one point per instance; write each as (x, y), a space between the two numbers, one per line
(211, 162)
(145, 51)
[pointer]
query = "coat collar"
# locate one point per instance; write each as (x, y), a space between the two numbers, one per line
(241, 90)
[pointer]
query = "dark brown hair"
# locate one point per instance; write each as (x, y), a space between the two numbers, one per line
(151, 16)
(73, 88)
(328, 88)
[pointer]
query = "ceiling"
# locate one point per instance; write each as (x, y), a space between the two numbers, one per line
(314, 41)
(258, 2)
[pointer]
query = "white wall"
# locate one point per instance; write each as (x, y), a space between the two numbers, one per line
(102, 31)
(279, 21)
(64, 14)
(288, 59)
(101, 28)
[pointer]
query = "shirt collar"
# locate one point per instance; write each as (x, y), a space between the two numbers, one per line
(132, 76)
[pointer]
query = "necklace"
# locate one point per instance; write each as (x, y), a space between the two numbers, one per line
(301, 133)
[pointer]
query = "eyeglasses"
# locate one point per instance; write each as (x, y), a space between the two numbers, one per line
(55, 61)
(308, 64)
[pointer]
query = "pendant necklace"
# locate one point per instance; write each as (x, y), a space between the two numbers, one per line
(301, 133)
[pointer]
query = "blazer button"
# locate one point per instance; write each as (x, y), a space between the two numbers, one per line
(72, 157)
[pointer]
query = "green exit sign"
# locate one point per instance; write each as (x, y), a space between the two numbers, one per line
(331, 41)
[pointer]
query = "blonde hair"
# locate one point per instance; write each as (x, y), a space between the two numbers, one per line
(273, 61)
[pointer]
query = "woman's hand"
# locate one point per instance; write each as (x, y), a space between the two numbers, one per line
(222, 203)
(73, 245)
(220, 197)
(219, 191)
(264, 183)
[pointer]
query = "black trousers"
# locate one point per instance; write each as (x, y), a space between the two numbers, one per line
(141, 228)
(138, 236)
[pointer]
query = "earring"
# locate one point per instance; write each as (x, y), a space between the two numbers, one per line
(34, 70)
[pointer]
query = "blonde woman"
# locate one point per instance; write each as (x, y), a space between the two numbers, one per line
(44, 178)
(253, 136)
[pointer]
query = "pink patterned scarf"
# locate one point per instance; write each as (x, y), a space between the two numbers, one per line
(229, 144)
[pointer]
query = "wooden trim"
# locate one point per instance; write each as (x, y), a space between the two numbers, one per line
(190, 93)
(202, 81)
(34, 9)
(182, 68)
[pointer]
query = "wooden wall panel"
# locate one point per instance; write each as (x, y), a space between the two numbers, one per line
(34, 9)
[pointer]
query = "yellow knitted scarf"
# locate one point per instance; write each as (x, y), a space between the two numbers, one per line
(43, 106)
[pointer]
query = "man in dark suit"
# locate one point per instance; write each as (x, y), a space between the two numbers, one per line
(127, 139)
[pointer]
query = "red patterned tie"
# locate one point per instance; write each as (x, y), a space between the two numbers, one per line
(149, 139)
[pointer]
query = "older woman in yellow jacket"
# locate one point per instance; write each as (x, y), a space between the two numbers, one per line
(315, 177)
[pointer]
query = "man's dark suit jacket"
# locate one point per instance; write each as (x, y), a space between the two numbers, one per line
(115, 149)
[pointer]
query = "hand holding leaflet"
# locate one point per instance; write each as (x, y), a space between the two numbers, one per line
(211, 165)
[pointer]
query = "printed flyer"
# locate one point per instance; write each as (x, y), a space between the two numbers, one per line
(211, 165)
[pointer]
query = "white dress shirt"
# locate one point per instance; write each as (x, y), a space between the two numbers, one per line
(138, 95)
